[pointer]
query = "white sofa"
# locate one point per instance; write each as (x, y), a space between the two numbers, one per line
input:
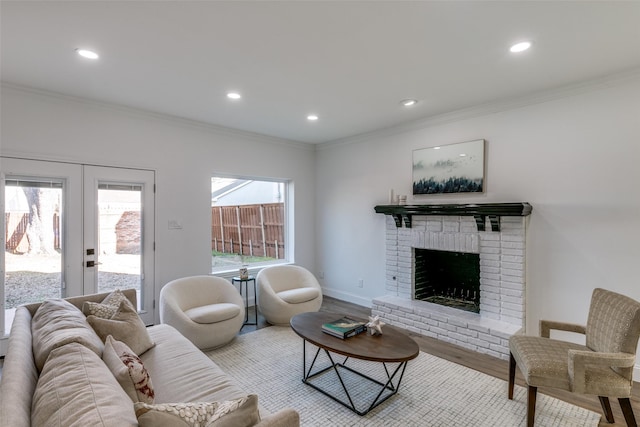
(75, 386)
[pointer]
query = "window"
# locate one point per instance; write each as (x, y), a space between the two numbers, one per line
(248, 223)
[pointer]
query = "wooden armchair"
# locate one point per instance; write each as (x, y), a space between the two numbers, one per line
(603, 367)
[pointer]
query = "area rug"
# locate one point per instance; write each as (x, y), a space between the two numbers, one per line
(433, 392)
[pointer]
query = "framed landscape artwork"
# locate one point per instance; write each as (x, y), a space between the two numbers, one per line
(454, 168)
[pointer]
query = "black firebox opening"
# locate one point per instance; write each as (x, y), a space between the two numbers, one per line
(448, 278)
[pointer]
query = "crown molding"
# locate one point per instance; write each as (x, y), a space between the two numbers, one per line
(165, 118)
(439, 119)
(492, 107)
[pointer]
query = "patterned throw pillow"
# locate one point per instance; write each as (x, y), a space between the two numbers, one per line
(128, 370)
(241, 412)
(103, 311)
(115, 298)
(108, 307)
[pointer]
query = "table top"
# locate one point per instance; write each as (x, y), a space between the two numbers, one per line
(392, 346)
(239, 279)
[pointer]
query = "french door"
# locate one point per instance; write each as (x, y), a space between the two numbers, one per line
(73, 229)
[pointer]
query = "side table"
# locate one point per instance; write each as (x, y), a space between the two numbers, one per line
(245, 282)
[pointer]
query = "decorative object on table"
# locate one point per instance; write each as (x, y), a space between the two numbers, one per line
(454, 168)
(402, 199)
(244, 273)
(391, 197)
(375, 325)
(344, 327)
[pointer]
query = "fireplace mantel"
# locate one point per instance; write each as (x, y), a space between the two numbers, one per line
(480, 211)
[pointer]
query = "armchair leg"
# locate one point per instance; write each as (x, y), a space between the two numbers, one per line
(606, 408)
(512, 375)
(531, 405)
(627, 410)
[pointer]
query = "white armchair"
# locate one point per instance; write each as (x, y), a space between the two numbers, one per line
(207, 310)
(287, 290)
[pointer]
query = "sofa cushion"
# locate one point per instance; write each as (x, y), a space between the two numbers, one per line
(125, 326)
(56, 323)
(299, 295)
(182, 373)
(77, 389)
(129, 370)
(241, 412)
(213, 313)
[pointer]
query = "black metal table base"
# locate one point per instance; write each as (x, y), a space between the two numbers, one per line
(389, 385)
(246, 298)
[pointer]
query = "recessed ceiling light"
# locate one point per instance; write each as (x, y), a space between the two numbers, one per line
(312, 117)
(520, 47)
(408, 102)
(463, 155)
(87, 54)
(233, 95)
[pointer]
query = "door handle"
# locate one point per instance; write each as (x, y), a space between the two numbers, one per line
(92, 263)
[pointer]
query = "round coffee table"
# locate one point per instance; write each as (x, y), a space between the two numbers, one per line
(391, 347)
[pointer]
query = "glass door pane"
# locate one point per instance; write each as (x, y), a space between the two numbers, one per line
(119, 237)
(119, 233)
(33, 248)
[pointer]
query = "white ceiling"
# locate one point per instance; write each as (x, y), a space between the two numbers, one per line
(350, 62)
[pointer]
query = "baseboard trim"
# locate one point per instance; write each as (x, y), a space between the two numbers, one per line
(348, 297)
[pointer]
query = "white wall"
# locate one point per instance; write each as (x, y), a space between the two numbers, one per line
(183, 154)
(575, 159)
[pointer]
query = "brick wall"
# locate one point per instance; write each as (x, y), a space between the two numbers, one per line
(502, 281)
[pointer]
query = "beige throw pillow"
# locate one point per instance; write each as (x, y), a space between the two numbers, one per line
(76, 389)
(58, 322)
(125, 326)
(128, 370)
(241, 412)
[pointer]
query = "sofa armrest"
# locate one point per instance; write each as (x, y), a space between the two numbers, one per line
(283, 418)
(19, 374)
(547, 325)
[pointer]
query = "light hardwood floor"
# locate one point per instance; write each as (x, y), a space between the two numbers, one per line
(480, 362)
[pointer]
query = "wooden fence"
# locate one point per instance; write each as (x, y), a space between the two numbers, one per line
(16, 231)
(253, 230)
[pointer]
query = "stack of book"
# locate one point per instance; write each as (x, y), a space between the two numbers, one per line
(344, 327)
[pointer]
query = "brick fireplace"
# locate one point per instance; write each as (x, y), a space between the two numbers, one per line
(497, 233)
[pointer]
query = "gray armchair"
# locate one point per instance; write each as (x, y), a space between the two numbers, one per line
(603, 367)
